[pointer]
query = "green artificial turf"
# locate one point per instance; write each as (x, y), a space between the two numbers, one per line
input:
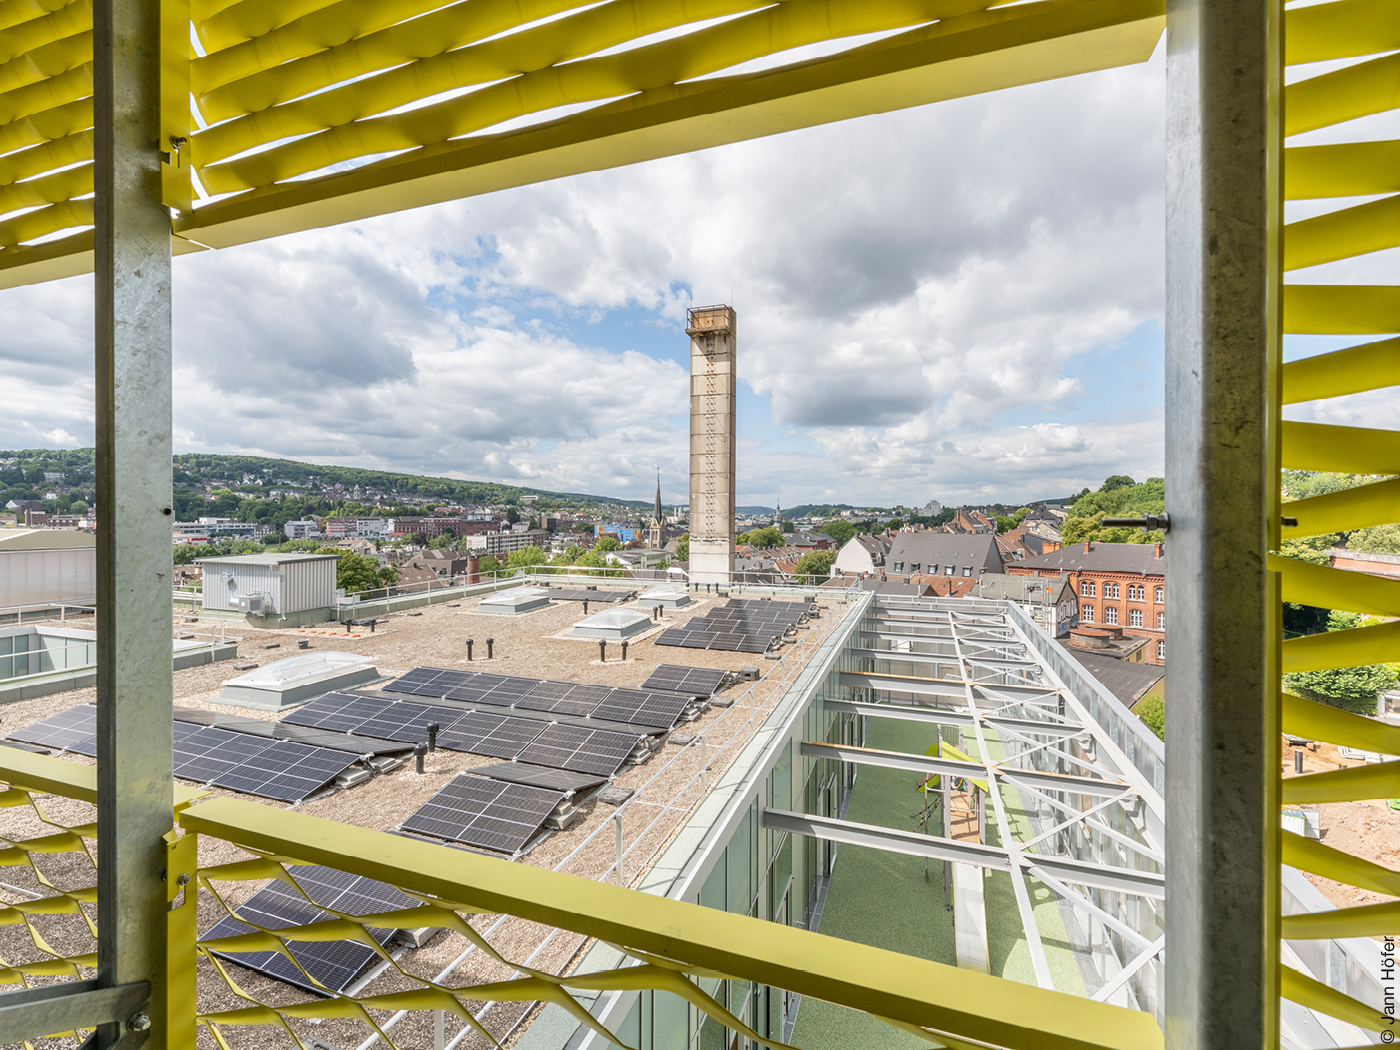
(885, 900)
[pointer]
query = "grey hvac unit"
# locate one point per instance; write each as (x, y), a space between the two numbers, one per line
(250, 603)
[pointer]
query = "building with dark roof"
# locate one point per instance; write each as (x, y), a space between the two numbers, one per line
(943, 554)
(1118, 584)
(862, 553)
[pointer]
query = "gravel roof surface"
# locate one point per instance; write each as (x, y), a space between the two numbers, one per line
(528, 645)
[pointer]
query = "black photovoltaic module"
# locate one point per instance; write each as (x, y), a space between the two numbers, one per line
(540, 776)
(336, 964)
(693, 681)
(255, 765)
(703, 637)
(563, 594)
(641, 708)
(597, 751)
(280, 769)
(72, 730)
(478, 732)
(742, 625)
(613, 703)
(493, 814)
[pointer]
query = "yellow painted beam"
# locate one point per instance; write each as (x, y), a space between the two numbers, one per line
(1356, 91)
(1098, 34)
(1348, 450)
(1354, 508)
(906, 989)
(1341, 169)
(1342, 234)
(1341, 309)
(1352, 370)
(1327, 588)
(1344, 29)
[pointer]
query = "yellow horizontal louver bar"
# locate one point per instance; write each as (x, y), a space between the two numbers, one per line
(43, 97)
(67, 21)
(447, 30)
(222, 25)
(1351, 371)
(1328, 588)
(46, 61)
(1344, 29)
(353, 133)
(46, 189)
(1341, 309)
(17, 12)
(44, 221)
(307, 35)
(1332, 98)
(1342, 785)
(1342, 234)
(1350, 450)
(1343, 169)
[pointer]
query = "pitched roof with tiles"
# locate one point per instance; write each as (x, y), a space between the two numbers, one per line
(1101, 557)
(975, 552)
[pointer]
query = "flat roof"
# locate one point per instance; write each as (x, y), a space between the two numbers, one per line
(267, 559)
(45, 539)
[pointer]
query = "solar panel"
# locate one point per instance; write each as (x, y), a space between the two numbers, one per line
(695, 681)
(540, 776)
(597, 751)
(564, 594)
(493, 814)
(487, 733)
(280, 769)
(642, 708)
(564, 698)
(70, 730)
(336, 964)
(340, 741)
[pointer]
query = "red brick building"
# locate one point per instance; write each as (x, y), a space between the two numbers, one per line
(1119, 585)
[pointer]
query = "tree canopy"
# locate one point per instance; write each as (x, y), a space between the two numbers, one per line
(765, 538)
(838, 530)
(815, 565)
(1118, 497)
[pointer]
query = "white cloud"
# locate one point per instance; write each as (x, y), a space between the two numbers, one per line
(909, 286)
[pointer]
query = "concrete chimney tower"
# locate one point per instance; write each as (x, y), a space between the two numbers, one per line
(713, 384)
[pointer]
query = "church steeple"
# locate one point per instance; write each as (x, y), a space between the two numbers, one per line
(656, 535)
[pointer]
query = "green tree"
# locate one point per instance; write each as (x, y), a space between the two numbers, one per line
(525, 558)
(1351, 688)
(488, 564)
(894, 523)
(356, 574)
(78, 507)
(1153, 712)
(418, 539)
(815, 566)
(1310, 548)
(1378, 539)
(512, 515)
(606, 544)
(743, 539)
(683, 547)
(1005, 523)
(766, 537)
(443, 542)
(1116, 482)
(838, 530)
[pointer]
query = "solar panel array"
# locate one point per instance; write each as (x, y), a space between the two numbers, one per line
(563, 594)
(540, 776)
(336, 964)
(477, 732)
(581, 750)
(742, 625)
(256, 765)
(280, 769)
(614, 703)
(493, 814)
(693, 681)
(71, 730)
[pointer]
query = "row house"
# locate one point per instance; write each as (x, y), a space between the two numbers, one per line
(1119, 585)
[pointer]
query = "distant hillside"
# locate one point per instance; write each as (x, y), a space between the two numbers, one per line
(816, 510)
(267, 473)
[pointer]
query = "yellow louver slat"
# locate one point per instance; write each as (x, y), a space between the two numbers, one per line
(1311, 855)
(307, 35)
(1342, 169)
(47, 189)
(1342, 785)
(1340, 309)
(35, 100)
(17, 12)
(1342, 234)
(1356, 91)
(436, 34)
(1350, 371)
(47, 61)
(45, 221)
(1308, 718)
(1350, 450)
(1313, 993)
(1328, 588)
(1349, 648)
(345, 110)
(1362, 921)
(65, 22)
(71, 149)
(1355, 508)
(222, 25)
(1344, 29)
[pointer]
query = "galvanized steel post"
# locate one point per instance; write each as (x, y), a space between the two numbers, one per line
(134, 511)
(1223, 88)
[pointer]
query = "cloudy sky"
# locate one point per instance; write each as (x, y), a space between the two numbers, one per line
(959, 302)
